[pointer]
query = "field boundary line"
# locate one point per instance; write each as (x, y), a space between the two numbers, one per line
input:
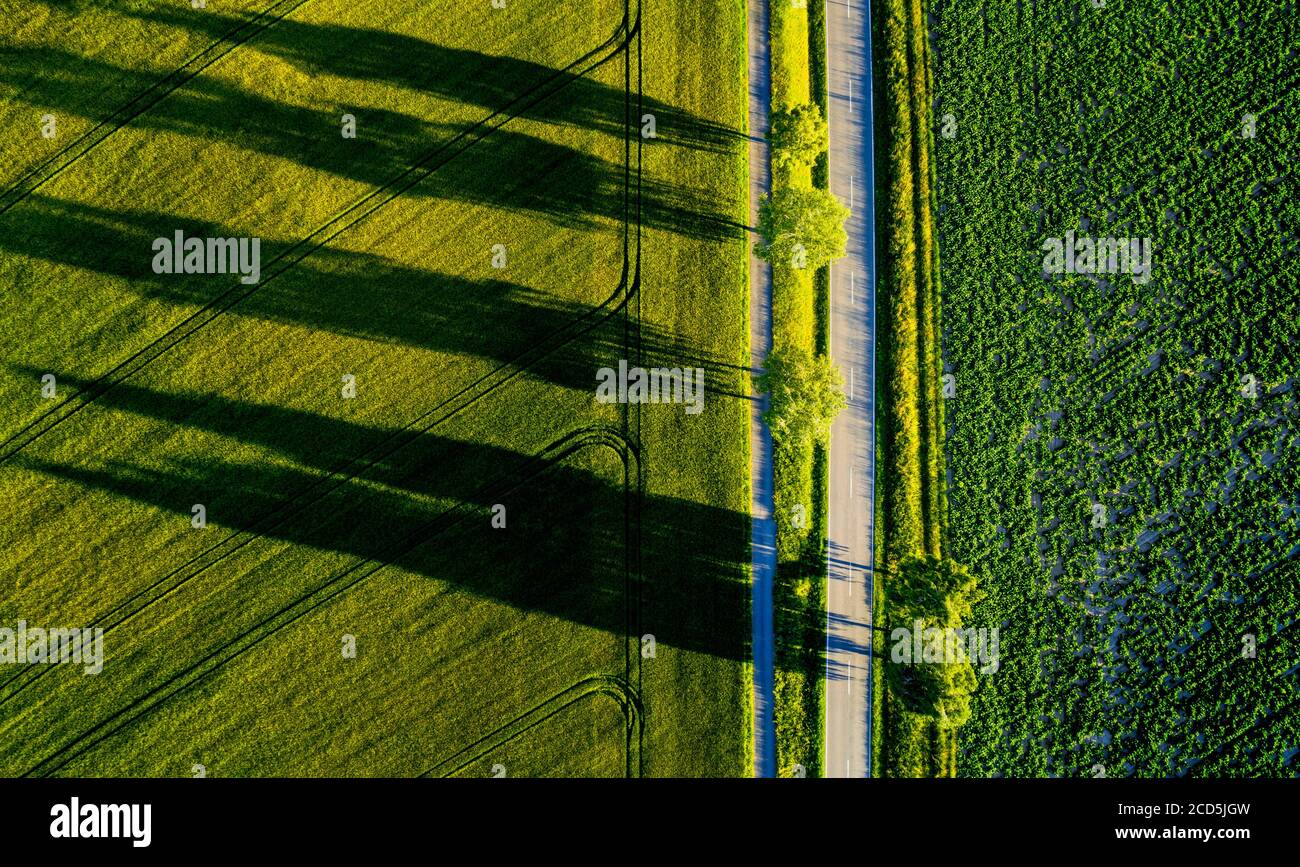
(632, 412)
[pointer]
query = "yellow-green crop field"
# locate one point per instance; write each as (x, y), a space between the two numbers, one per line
(361, 515)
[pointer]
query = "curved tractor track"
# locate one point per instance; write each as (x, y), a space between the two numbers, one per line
(618, 301)
(601, 684)
(411, 431)
(349, 217)
(338, 584)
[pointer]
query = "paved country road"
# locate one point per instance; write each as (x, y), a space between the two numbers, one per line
(853, 456)
(762, 523)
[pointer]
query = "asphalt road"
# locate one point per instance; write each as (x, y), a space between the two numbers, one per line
(762, 524)
(853, 456)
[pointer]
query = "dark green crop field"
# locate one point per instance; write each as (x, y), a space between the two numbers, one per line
(360, 514)
(1123, 445)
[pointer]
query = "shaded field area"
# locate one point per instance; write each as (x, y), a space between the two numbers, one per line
(1122, 447)
(392, 433)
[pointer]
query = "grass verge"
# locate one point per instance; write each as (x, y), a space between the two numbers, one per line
(799, 319)
(909, 517)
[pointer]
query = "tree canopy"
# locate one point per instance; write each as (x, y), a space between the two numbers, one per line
(932, 593)
(807, 393)
(801, 227)
(798, 135)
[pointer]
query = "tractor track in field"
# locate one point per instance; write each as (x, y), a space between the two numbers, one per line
(333, 588)
(601, 684)
(634, 495)
(456, 403)
(390, 191)
(338, 584)
(164, 87)
(397, 440)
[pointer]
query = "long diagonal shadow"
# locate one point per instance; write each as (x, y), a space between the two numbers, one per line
(105, 120)
(209, 108)
(380, 524)
(390, 524)
(488, 81)
(358, 294)
(204, 106)
(584, 185)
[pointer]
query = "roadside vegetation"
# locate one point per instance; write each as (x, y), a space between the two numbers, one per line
(802, 229)
(807, 393)
(916, 738)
